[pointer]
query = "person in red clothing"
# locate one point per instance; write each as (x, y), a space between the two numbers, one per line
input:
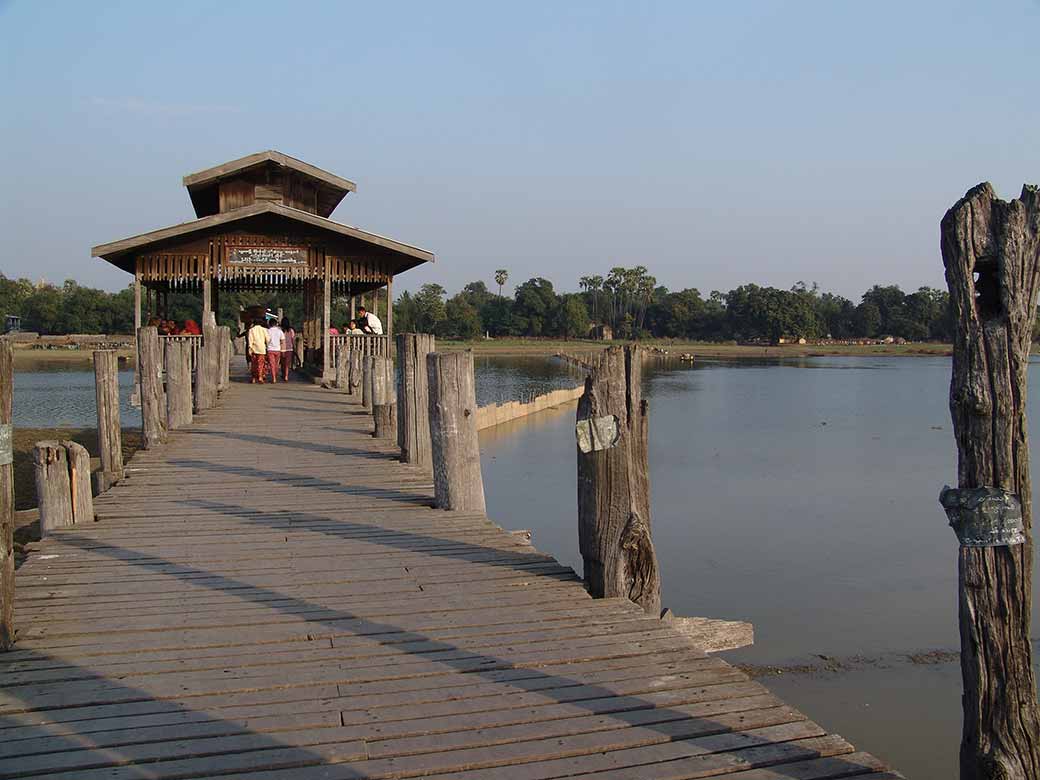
(191, 328)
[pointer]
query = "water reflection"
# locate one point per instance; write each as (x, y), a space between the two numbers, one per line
(53, 395)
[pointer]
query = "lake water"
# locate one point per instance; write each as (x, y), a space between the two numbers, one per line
(801, 496)
(55, 395)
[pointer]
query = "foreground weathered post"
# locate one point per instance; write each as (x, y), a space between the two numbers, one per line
(110, 433)
(366, 382)
(413, 418)
(149, 372)
(6, 496)
(354, 372)
(207, 372)
(991, 250)
(80, 498)
(178, 385)
(224, 362)
(384, 399)
(53, 490)
(614, 483)
(457, 480)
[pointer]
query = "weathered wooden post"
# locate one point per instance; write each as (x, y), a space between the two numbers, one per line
(6, 496)
(354, 372)
(149, 372)
(224, 362)
(178, 385)
(53, 489)
(457, 480)
(991, 251)
(80, 498)
(413, 417)
(384, 399)
(207, 371)
(366, 382)
(614, 482)
(343, 368)
(110, 432)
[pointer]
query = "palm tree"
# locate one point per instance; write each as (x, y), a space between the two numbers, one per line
(501, 277)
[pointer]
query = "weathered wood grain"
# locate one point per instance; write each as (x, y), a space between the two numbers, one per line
(457, 480)
(149, 373)
(110, 439)
(53, 489)
(7, 583)
(178, 385)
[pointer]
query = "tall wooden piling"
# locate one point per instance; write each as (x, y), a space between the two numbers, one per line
(384, 399)
(110, 432)
(224, 361)
(614, 484)
(366, 382)
(991, 251)
(178, 385)
(457, 480)
(149, 372)
(413, 397)
(53, 489)
(343, 368)
(6, 496)
(207, 371)
(354, 372)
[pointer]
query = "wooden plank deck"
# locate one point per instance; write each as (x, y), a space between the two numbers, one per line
(270, 595)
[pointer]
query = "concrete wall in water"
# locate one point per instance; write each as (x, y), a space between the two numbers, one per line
(496, 414)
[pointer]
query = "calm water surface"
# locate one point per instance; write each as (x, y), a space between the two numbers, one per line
(63, 395)
(801, 496)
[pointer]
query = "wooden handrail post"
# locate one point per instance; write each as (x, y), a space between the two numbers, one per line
(384, 399)
(457, 480)
(80, 498)
(614, 483)
(6, 496)
(207, 370)
(178, 385)
(149, 372)
(991, 251)
(413, 397)
(110, 432)
(343, 367)
(366, 382)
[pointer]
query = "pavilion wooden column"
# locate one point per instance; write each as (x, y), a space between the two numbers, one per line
(614, 484)
(137, 297)
(991, 251)
(207, 298)
(6, 496)
(326, 316)
(390, 306)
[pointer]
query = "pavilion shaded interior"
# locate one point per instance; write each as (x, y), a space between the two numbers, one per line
(263, 225)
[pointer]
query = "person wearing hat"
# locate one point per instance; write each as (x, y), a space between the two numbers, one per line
(369, 322)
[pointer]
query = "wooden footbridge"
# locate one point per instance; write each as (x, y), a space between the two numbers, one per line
(271, 595)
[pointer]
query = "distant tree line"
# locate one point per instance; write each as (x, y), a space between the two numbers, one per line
(629, 300)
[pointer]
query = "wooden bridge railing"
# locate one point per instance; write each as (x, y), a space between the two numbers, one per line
(194, 341)
(378, 346)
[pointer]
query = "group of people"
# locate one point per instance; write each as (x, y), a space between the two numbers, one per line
(366, 322)
(171, 328)
(270, 348)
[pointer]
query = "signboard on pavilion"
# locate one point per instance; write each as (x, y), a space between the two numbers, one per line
(267, 256)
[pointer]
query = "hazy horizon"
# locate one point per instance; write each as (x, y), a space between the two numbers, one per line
(757, 142)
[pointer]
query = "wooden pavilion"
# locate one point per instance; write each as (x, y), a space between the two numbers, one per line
(263, 224)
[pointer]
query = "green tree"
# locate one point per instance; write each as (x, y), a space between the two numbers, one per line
(501, 277)
(462, 320)
(573, 320)
(867, 319)
(429, 308)
(535, 306)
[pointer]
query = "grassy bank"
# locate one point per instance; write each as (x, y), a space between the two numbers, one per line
(536, 347)
(26, 438)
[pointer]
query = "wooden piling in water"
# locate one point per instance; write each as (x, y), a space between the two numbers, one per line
(991, 251)
(384, 399)
(457, 480)
(366, 382)
(149, 372)
(178, 385)
(6, 496)
(614, 484)
(413, 397)
(110, 432)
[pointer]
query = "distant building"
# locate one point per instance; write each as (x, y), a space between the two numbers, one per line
(601, 333)
(12, 323)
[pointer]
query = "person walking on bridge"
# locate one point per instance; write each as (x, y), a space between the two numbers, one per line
(257, 339)
(275, 341)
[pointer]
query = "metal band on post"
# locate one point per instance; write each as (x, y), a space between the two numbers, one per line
(984, 517)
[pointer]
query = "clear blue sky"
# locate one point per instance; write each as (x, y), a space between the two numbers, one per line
(715, 143)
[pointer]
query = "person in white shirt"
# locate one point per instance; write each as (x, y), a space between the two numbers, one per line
(369, 322)
(275, 337)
